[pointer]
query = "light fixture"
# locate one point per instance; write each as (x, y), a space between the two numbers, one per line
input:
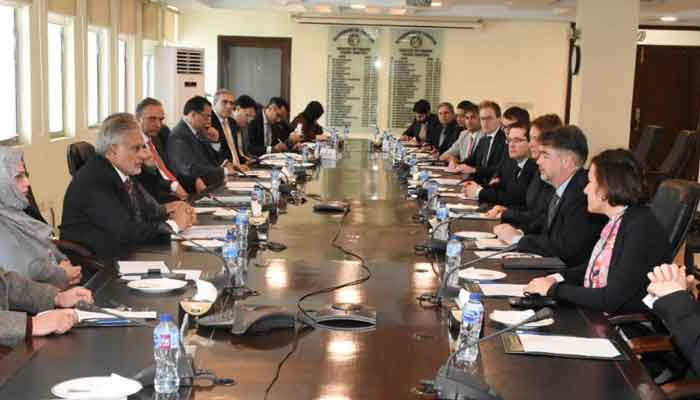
(358, 6)
(669, 18)
(436, 4)
(378, 64)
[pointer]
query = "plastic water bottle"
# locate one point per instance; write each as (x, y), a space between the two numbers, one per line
(472, 318)
(242, 225)
(291, 165)
(317, 149)
(413, 163)
(257, 199)
(275, 189)
(305, 154)
(453, 260)
(166, 351)
(230, 251)
(268, 150)
(443, 227)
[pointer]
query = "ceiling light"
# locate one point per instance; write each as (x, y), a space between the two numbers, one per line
(358, 6)
(669, 18)
(436, 4)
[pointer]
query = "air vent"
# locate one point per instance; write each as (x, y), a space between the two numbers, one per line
(190, 61)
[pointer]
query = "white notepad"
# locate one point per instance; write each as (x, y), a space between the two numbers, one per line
(568, 345)
(502, 289)
(206, 232)
(141, 267)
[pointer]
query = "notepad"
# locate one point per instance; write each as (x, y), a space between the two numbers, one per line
(568, 346)
(141, 267)
(502, 290)
(447, 181)
(190, 274)
(491, 244)
(89, 315)
(243, 185)
(510, 254)
(206, 232)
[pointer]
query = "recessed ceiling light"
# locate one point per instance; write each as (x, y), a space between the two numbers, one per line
(436, 4)
(358, 6)
(669, 18)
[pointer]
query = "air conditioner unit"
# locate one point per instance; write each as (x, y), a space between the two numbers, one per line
(179, 76)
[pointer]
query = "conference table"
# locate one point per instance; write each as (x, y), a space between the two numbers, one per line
(410, 342)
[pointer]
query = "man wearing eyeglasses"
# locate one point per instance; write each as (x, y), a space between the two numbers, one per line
(509, 186)
(191, 155)
(491, 150)
(222, 121)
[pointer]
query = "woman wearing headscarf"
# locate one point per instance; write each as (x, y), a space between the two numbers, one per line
(307, 128)
(25, 243)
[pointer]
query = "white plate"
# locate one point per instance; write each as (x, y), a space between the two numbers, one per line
(474, 235)
(510, 318)
(480, 274)
(209, 244)
(157, 285)
(97, 387)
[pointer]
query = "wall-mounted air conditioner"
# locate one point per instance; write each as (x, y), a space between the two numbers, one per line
(179, 75)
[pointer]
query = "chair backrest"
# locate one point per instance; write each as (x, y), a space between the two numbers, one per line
(677, 159)
(650, 137)
(78, 154)
(674, 205)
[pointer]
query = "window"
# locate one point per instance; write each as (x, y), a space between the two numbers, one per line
(98, 76)
(148, 83)
(56, 79)
(9, 125)
(122, 75)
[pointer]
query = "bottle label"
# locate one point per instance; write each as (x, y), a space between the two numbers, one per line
(163, 341)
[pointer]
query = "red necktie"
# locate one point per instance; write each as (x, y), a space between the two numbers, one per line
(159, 162)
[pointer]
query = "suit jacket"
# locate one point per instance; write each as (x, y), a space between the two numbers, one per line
(510, 190)
(157, 186)
(98, 212)
(532, 216)
(414, 128)
(681, 315)
(161, 143)
(639, 247)
(451, 135)
(191, 157)
(225, 152)
(18, 296)
(573, 232)
(256, 135)
(499, 153)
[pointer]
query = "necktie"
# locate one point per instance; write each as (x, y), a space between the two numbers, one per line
(470, 148)
(486, 140)
(229, 141)
(442, 137)
(131, 191)
(552, 210)
(516, 172)
(160, 164)
(268, 135)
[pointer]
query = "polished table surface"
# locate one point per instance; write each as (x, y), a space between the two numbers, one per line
(409, 344)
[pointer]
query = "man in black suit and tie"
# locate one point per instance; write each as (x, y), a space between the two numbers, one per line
(221, 121)
(263, 131)
(442, 136)
(192, 158)
(107, 211)
(509, 186)
(570, 230)
(491, 149)
(423, 122)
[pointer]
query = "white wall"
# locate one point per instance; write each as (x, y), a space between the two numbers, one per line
(509, 62)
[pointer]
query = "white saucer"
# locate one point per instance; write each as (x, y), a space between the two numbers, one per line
(209, 244)
(480, 274)
(510, 318)
(157, 285)
(474, 235)
(97, 388)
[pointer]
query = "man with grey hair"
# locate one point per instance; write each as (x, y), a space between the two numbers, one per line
(107, 211)
(222, 121)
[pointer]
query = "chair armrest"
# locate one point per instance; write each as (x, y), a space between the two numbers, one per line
(650, 344)
(683, 389)
(628, 319)
(65, 245)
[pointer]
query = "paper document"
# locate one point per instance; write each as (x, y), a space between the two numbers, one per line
(510, 254)
(568, 345)
(449, 194)
(491, 244)
(502, 290)
(84, 315)
(206, 232)
(190, 274)
(141, 267)
(224, 199)
(447, 181)
(434, 167)
(471, 215)
(240, 185)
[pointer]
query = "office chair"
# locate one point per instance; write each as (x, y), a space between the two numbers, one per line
(674, 205)
(647, 142)
(675, 163)
(78, 154)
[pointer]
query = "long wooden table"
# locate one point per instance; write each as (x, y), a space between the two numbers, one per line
(409, 344)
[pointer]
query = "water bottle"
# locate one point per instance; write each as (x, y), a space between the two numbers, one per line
(453, 259)
(242, 225)
(291, 166)
(432, 188)
(423, 176)
(317, 149)
(241, 273)
(472, 318)
(346, 132)
(229, 251)
(275, 189)
(305, 154)
(166, 352)
(441, 231)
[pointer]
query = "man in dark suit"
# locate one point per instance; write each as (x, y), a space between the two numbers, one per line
(221, 121)
(244, 111)
(192, 158)
(422, 124)
(284, 126)
(491, 149)
(156, 176)
(442, 136)
(509, 186)
(570, 230)
(107, 211)
(263, 131)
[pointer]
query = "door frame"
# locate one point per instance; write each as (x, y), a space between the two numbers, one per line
(282, 43)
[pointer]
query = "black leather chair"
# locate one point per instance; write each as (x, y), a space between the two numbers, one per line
(647, 142)
(674, 205)
(78, 154)
(675, 163)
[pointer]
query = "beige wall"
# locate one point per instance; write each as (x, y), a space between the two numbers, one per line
(510, 62)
